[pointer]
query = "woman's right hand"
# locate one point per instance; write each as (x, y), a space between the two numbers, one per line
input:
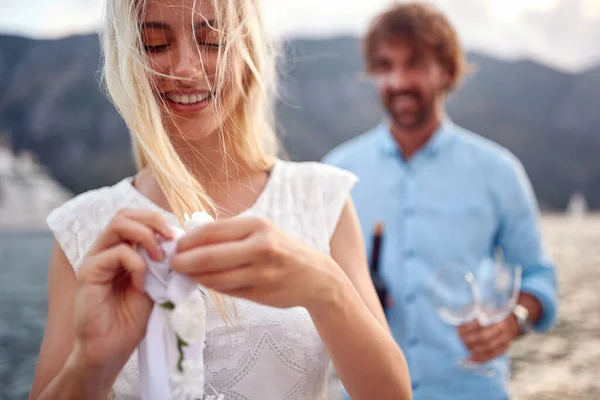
(111, 307)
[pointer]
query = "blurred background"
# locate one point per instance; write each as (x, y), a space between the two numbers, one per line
(536, 90)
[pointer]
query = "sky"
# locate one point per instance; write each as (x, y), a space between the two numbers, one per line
(564, 34)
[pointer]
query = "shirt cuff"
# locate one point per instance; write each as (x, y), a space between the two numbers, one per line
(546, 295)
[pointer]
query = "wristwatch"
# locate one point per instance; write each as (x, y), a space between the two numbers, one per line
(522, 315)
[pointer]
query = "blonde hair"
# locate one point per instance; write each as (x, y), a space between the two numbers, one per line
(248, 130)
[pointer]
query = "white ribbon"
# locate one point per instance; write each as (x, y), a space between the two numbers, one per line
(164, 375)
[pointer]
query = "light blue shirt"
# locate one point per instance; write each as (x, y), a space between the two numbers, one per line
(459, 198)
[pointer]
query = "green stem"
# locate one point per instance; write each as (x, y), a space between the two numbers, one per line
(168, 305)
(180, 345)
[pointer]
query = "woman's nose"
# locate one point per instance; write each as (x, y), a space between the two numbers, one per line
(186, 63)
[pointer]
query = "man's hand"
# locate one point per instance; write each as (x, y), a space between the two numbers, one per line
(487, 343)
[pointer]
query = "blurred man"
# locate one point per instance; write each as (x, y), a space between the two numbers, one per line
(445, 195)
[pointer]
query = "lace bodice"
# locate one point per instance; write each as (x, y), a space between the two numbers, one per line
(264, 353)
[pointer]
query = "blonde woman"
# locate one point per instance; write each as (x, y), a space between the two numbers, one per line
(284, 260)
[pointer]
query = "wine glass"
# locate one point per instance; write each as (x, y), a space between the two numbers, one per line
(456, 298)
(455, 294)
(499, 285)
(487, 293)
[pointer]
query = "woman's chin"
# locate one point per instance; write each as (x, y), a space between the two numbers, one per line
(194, 130)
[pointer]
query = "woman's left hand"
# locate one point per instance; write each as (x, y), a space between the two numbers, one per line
(250, 258)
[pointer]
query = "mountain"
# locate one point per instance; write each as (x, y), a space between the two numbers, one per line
(51, 105)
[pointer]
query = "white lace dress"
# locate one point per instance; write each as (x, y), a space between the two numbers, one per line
(264, 353)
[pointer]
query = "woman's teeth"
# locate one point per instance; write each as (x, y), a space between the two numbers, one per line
(188, 98)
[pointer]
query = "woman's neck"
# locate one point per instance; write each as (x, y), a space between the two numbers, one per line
(229, 180)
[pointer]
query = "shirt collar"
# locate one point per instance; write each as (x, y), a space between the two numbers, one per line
(433, 147)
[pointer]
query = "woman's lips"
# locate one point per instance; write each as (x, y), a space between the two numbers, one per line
(188, 102)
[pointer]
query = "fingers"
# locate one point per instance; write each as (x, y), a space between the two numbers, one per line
(104, 267)
(135, 226)
(485, 343)
(212, 258)
(470, 328)
(231, 280)
(243, 279)
(222, 231)
(481, 336)
(261, 248)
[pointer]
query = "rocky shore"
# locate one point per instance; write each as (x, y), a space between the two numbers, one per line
(565, 363)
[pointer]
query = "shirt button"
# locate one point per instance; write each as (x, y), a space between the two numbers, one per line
(409, 212)
(410, 298)
(413, 342)
(416, 385)
(409, 253)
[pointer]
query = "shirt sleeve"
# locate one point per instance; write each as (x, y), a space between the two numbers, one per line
(520, 238)
(333, 158)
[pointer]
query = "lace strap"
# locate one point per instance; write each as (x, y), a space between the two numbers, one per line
(335, 188)
(62, 228)
(77, 223)
(309, 200)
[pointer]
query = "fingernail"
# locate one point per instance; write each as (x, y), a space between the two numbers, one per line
(168, 232)
(159, 254)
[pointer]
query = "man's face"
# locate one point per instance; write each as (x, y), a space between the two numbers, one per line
(409, 84)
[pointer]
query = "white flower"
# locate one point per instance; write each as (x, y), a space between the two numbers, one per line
(189, 384)
(197, 219)
(188, 319)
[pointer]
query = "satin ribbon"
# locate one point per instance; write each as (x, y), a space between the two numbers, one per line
(158, 353)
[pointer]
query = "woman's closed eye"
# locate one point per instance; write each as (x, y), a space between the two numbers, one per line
(155, 48)
(155, 41)
(210, 45)
(208, 40)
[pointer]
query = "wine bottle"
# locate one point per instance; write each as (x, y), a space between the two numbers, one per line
(378, 282)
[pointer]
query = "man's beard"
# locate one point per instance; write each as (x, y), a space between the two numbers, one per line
(413, 120)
